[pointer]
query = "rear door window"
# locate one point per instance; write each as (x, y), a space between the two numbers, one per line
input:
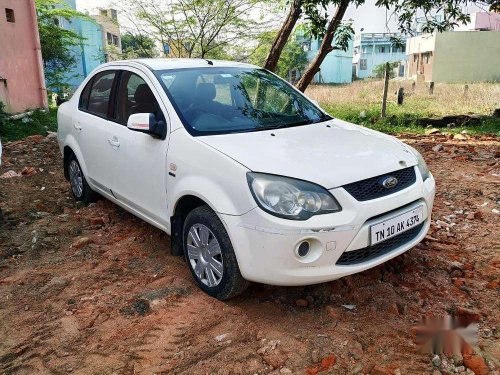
(84, 97)
(99, 98)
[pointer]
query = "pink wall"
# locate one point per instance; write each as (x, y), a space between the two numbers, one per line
(481, 21)
(487, 21)
(22, 81)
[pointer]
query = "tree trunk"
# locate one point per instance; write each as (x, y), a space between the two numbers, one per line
(283, 35)
(325, 48)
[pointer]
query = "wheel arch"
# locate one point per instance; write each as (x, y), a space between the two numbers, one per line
(67, 152)
(71, 148)
(181, 209)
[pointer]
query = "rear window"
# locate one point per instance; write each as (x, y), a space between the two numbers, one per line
(96, 95)
(84, 98)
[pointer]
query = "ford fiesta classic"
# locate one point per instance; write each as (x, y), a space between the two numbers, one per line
(250, 178)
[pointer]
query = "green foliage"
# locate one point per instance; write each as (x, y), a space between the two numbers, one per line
(138, 46)
(494, 5)
(56, 42)
(293, 55)
(343, 35)
(379, 70)
(316, 16)
(197, 28)
(3, 117)
(405, 11)
(39, 122)
(397, 42)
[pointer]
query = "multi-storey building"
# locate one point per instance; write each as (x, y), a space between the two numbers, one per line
(111, 36)
(22, 80)
(372, 49)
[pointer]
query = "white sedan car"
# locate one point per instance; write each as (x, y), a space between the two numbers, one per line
(252, 180)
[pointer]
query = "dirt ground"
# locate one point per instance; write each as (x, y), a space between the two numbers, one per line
(93, 290)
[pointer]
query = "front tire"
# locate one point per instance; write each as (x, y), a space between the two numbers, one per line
(210, 255)
(79, 186)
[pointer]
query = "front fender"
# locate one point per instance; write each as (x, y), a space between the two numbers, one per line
(208, 174)
(219, 198)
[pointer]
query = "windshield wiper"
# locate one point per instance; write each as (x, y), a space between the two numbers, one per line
(299, 123)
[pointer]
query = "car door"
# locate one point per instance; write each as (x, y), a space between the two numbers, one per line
(92, 124)
(139, 173)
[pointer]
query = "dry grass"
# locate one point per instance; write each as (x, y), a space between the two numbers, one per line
(448, 99)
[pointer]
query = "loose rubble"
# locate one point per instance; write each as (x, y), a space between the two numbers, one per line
(92, 289)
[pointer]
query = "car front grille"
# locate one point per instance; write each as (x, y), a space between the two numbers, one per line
(365, 254)
(373, 187)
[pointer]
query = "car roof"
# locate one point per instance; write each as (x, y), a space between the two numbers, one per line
(177, 63)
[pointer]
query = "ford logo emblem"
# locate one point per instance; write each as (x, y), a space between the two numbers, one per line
(390, 182)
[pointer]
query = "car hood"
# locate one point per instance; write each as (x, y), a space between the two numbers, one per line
(331, 153)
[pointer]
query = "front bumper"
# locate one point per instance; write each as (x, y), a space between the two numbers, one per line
(266, 246)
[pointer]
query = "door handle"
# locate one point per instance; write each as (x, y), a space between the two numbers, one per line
(77, 126)
(114, 142)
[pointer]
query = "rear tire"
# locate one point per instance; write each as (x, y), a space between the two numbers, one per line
(210, 255)
(81, 190)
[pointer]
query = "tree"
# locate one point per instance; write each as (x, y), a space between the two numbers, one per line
(197, 28)
(315, 14)
(327, 44)
(138, 46)
(56, 42)
(293, 55)
(405, 10)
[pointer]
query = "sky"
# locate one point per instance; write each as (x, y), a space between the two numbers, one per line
(369, 17)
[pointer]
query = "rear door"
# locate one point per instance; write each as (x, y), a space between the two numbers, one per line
(92, 126)
(139, 173)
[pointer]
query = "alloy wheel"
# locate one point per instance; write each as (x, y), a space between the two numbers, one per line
(76, 178)
(205, 255)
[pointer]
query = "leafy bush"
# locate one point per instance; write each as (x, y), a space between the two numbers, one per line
(379, 70)
(38, 122)
(3, 118)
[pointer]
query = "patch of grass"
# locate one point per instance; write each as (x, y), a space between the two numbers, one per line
(360, 103)
(399, 121)
(39, 122)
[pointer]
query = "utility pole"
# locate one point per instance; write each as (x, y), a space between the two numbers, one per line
(386, 87)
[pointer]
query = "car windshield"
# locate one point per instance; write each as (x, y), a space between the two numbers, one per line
(228, 100)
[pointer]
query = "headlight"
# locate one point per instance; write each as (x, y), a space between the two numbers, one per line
(290, 198)
(422, 166)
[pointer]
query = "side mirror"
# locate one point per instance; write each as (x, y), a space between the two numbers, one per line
(146, 123)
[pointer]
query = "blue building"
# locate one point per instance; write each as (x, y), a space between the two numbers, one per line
(337, 66)
(372, 49)
(90, 53)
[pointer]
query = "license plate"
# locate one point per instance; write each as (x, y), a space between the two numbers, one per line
(396, 225)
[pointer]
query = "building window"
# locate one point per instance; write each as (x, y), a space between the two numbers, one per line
(103, 12)
(427, 57)
(9, 14)
(114, 14)
(112, 39)
(381, 49)
(362, 64)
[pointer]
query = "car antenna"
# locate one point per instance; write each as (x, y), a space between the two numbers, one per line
(210, 62)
